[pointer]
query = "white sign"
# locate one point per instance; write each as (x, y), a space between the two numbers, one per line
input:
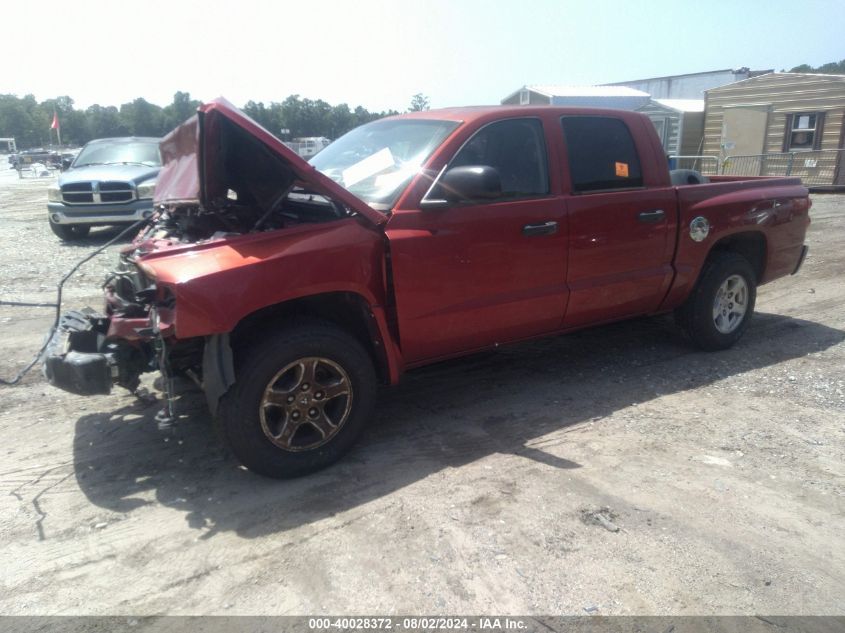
(370, 166)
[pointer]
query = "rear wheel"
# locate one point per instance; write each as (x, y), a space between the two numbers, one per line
(70, 232)
(717, 312)
(300, 400)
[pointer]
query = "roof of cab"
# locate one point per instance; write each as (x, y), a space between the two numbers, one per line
(126, 139)
(470, 114)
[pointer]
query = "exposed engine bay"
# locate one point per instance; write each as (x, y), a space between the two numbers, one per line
(230, 217)
(254, 191)
(247, 188)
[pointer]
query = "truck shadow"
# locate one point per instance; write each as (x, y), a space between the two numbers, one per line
(441, 416)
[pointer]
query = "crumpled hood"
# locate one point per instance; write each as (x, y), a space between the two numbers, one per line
(193, 164)
(126, 173)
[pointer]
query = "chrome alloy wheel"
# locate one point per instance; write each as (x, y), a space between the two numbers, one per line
(730, 304)
(306, 404)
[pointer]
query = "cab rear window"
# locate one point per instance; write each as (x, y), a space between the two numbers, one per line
(602, 154)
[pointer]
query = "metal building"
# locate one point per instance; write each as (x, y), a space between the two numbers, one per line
(617, 97)
(690, 85)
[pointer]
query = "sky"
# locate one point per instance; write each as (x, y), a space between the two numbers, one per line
(379, 53)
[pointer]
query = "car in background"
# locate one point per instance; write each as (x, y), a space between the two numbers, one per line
(109, 183)
(309, 146)
(28, 157)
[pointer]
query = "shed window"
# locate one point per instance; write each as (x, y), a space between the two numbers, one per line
(524, 97)
(803, 131)
(662, 125)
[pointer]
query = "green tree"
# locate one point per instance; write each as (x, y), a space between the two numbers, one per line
(260, 114)
(419, 102)
(16, 120)
(342, 120)
(182, 109)
(28, 121)
(143, 118)
(831, 68)
(104, 122)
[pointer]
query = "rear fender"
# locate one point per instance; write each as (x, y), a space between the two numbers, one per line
(775, 213)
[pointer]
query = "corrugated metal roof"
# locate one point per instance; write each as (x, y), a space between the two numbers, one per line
(587, 91)
(736, 71)
(778, 77)
(683, 105)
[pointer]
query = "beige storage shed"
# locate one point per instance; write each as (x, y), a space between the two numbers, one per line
(779, 124)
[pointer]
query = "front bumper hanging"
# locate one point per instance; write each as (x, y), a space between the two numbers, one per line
(73, 360)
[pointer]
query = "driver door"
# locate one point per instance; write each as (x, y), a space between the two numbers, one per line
(483, 272)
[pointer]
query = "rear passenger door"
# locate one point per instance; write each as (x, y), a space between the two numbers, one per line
(620, 246)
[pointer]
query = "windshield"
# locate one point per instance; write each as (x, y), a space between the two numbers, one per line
(377, 160)
(134, 152)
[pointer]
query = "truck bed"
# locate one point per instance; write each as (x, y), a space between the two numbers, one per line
(774, 210)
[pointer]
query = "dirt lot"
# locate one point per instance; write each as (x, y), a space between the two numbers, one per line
(490, 484)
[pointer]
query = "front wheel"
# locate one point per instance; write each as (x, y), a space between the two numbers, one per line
(300, 400)
(717, 312)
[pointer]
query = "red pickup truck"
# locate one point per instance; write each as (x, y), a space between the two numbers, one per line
(288, 290)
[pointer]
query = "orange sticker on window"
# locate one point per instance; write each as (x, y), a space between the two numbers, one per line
(622, 170)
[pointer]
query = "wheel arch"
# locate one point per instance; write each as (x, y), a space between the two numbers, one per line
(692, 258)
(349, 311)
(752, 245)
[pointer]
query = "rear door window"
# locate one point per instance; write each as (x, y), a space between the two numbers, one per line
(602, 154)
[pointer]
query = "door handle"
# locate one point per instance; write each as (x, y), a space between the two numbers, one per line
(547, 228)
(651, 217)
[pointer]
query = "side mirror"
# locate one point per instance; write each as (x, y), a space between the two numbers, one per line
(66, 163)
(458, 184)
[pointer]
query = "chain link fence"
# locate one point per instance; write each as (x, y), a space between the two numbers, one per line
(818, 168)
(707, 165)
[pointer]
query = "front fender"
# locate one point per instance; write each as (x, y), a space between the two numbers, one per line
(218, 283)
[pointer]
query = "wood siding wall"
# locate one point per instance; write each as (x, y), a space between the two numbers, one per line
(786, 93)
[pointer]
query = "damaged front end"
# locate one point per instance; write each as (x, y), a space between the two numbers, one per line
(90, 352)
(81, 360)
(225, 184)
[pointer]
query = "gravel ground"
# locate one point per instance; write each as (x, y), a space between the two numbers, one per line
(614, 471)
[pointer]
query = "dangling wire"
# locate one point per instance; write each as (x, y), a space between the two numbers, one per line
(58, 303)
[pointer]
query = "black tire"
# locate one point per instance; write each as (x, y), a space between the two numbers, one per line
(245, 419)
(70, 232)
(697, 315)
